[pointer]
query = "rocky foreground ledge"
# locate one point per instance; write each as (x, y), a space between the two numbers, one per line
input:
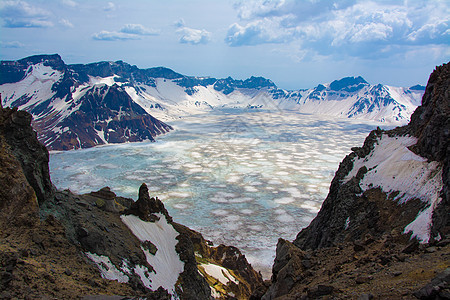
(55, 244)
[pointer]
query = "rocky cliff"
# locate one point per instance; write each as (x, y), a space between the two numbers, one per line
(383, 230)
(58, 244)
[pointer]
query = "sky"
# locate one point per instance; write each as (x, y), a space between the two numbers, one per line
(295, 43)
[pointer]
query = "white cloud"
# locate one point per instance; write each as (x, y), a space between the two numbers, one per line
(127, 32)
(138, 29)
(356, 28)
(431, 32)
(194, 36)
(13, 44)
(191, 35)
(105, 35)
(69, 3)
(248, 10)
(110, 7)
(66, 23)
(21, 14)
(266, 30)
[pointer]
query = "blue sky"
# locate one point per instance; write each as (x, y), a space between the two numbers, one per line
(297, 44)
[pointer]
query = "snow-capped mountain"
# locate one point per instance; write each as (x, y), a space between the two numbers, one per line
(72, 109)
(79, 106)
(353, 97)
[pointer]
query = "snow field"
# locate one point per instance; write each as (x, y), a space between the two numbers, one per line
(165, 262)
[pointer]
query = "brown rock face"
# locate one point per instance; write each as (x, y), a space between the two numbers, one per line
(18, 202)
(32, 155)
(430, 122)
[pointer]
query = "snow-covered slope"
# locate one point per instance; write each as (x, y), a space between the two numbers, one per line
(169, 99)
(61, 96)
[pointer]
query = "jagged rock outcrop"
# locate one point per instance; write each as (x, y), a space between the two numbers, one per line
(345, 201)
(392, 189)
(146, 207)
(193, 249)
(36, 258)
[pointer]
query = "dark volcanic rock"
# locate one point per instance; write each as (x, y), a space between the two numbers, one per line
(145, 207)
(438, 288)
(226, 256)
(102, 232)
(287, 269)
(107, 114)
(14, 71)
(193, 283)
(349, 84)
(18, 202)
(345, 206)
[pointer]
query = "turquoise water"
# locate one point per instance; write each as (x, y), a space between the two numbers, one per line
(240, 178)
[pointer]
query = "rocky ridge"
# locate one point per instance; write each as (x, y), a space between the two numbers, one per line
(73, 246)
(375, 237)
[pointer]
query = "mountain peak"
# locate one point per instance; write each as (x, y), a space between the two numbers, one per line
(349, 84)
(258, 82)
(163, 72)
(417, 87)
(42, 58)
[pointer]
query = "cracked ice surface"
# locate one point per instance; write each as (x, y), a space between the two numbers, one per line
(240, 178)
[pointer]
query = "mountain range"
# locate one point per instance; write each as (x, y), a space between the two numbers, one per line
(84, 105)
(383, 231)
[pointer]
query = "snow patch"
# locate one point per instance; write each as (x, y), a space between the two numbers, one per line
(107, 268)
(220, 273)
(165, 262)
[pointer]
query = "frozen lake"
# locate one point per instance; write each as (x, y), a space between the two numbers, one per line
(242, 178)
